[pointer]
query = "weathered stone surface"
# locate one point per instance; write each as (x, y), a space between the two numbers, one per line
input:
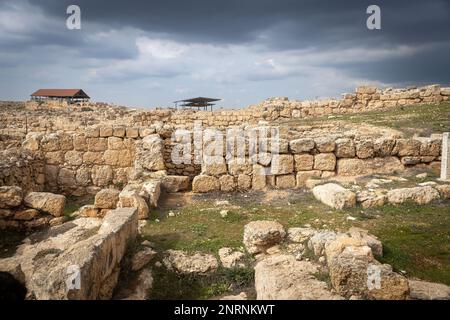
(444, 190)
(25, 215)
(10, 196)
(107, 199)
(182, 262)
(227, 183)
(367, 239)
(151, 190)
(407, 147)
(355, 272)
(239, 166)
(130, 198)
(231, 259)
(325, 161)
(95, 247)
(259, 179)
(300, 235)
(244, 182)
(261, 235)
(282, 164)
(365, 149)
(303, 162)
(101, 176)
(142, 258)
(304, 176)
(89, 211)
(419, 195)
(423, 290)
(216, 166)
(318, 241)
(281, 277)
(383, 147)
(355, 167)
(48, 202)
(345, 148)
(325, 145)
(175, 183)
(287, 181)
(335, 196)
(149, 153)
(204, 184)
(301, 145)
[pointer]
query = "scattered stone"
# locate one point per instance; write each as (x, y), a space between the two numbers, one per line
(420, 195)
(281, 277)
(261, 235)
(444, 190)
(422, 175)
(300, 235)
(240, 296)
(423, 290)
(107, 199)
(224, 213)
(141, 258)
(182, 262)
(48, 202)
(231, 259)
(335, 196)
(89, 211)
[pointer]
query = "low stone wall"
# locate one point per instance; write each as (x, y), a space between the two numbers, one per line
(303, 159)
(83, 163)
(48, 117)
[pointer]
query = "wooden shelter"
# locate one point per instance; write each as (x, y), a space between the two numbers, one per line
(70, 95)
(199, 103)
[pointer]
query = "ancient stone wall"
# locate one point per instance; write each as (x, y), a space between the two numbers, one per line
(46, 117)
(303, 159)
(83, 163)
(19, 167)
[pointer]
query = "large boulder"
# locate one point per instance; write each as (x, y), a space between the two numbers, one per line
(197, 263)
(204, 184)
(47, 202)
(335, 196)
(419, 195)
(355, 272)
(281, 277)
(10, 196)
(107, 199)
(261, 235)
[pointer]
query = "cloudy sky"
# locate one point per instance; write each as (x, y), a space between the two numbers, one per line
(151, 53)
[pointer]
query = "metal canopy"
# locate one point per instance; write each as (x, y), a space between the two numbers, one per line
(199, 102)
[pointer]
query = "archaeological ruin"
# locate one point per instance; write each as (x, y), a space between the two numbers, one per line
(119, 167)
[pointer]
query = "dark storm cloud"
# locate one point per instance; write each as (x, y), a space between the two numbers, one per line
(299, 23)
(293, 42)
